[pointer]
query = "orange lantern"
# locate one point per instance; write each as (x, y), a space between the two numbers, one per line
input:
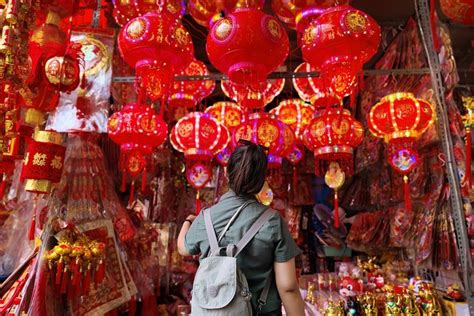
(399, 119)
(253, 97)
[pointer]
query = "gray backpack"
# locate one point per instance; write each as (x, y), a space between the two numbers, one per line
(220, 288)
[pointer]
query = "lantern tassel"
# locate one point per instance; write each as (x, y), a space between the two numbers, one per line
(86, 283)
(162, 106)
(361, 81)
(59, 271)
(143, 187)
(132, 193)
(198, 203)
(100, 273)
(31, 233)
(123, 186)
(433, 25)
(132, 306)
(468, 158)
(295, 178)
(3, 187)
(406, 190)
(336, 210)
(64, 281)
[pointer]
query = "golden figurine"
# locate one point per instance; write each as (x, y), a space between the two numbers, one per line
(430, 303)
(392, 304)
(410, 307)
(334, 310)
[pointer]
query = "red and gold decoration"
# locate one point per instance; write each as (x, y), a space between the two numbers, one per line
(399, 119)
(138, 130)
(468, 119)
(459, 11)
(125, 10)
(187, 94)
(200, 138)
(313, 89)
(247, 45)
(158, 46)
(338, 43)
(332, 137)
(205, 11)
(230, 115)
(253, 97)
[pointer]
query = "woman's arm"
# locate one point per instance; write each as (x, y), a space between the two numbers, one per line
(184, 229)
(287, 285)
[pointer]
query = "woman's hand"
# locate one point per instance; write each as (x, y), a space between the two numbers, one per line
(182, 234)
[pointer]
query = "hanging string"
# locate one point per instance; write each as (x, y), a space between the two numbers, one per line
(132, 193)
(198, 203)
(336, 210)
(406, 191)
(143, 187)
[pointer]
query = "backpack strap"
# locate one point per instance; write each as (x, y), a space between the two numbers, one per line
(262, 300)
(253, 230)
(211, 234)
(232, 219)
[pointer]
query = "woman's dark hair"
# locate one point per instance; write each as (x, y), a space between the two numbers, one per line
(247, 167)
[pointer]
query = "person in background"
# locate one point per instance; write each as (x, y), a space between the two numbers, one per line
(272, 251)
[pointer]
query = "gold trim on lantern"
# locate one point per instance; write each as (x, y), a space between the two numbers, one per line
(48, 137)
(401, 134)
(43, 186)
(397, 96)
(34, 117)
(195, 151)
(333, 149)
(53, 18)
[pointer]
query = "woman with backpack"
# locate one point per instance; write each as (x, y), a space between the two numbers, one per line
(247, 264)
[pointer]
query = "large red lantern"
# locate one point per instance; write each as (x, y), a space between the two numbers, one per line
(138, 130)
(188, 93)
(230, 115)
(313, 89)
(338, 43)
(199, 137)
(204, 11)
(247, 45)
(399, 119)
(460, 11)
(158, 46)
(125, 10)
(253, 97)
(332, 137)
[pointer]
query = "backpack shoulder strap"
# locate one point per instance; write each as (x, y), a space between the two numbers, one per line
(253, 230)
(211, 234)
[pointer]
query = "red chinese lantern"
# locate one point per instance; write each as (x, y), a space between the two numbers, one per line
(295, 113)
(399, 119)
(188, 93)
(253, 97)
(332, 137)
(338, 43)
(199, 137)
(138, 130)
(247, 45)
(204, 11)
(125, 10)
(460, 11)
(314, 89)
(158, 47)
(230, 115)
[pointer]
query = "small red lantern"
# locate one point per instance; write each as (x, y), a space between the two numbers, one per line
(138, 130)
(250, 97)
(295, 113)
(188, 93)
(125, 10)
(332, 137)
(230, 115)
(199, 137)
(460, 11)
(204, 11)
(314, 89)
(338, 43)
(247, 45)
(158, 46)
(399, 119)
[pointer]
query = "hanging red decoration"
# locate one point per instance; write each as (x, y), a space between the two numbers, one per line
(199, 137)
(138, 130)
(230, 115)
(126, 10)
(247, 45)
(188, 93)
(314, 89)
(296, 114)
(400, 118)
(253, 97)
(158, 46)
(460, 11)
(338, 43)
(204, 11)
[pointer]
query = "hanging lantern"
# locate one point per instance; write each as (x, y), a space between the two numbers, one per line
(399, 119)
(138, 130)
(295, 113)
(459, 11)
(188, 93)
(247, 45)
(158, 46)
(230, 115)
(253, 97)
(332, 137)
(314, 89)
(199, 137)
(126, 10)
(338, 43)
(63, 72)
(204, 11)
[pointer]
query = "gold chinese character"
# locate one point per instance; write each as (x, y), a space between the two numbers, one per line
(56, 162)
(39, 159)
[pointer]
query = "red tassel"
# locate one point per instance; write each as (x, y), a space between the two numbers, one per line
(64, 281)
(132, 306)
(83, 81)
(433, 25)
(77, 274)
(3, 187)
(86, 283)
(361, 81)
(336, 210)
(406, 191)
(71, 291)
(123, 186)
(468, 158)
(100, 273)
(132, 193)
(59, 271)
(31, 233)
(162, 105)
(198, 204)
(143, 188)
(295, 178)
